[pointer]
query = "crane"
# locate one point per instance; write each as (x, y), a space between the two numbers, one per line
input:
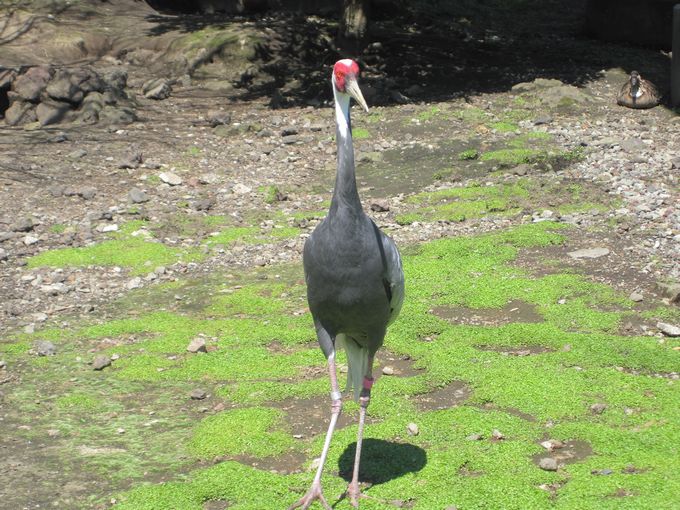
(355, 282)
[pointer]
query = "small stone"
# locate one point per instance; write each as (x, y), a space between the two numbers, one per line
(636, 297)
(497, 435)
(474, 437)
(204, 204)
(241, 189)
(3, 364)
(601, 472)
(412, 429)
(208, 178)
(53, 432)
(290, 139)
(589, 253)
(170, 178)
(131, 160)
(388, 370)
(218, 118)
(197, 345)
(22, 225)
(3, 254)
(380, 206)
(157, 89)
(30, 240)
(548, 464)
(668, 329)
(598, 408)
(77, 154)
(542, 119)
(120, 431)
(101, 362)
(87, 193)
(670, 291)
(44, 348)
(135, 283)
(137, 196)
(198, 394)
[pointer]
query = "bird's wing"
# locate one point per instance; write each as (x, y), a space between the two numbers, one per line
(394, 276)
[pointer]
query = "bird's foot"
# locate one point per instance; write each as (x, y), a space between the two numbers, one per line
(354, 493)
(312, 495)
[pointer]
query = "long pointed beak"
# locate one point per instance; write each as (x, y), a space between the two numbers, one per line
(352, 88)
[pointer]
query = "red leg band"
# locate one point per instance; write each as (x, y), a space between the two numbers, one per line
(368, 383)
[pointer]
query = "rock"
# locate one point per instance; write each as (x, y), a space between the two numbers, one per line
(101, 362)
(522, 169)
(548, 464)
(117, 115)
(3, 255)
(388, 370)
(633, 145)
(64, 88)
(170, 178)
(601, 472)
(76, 154)
(669, 329)
(91, 107)
(241, 189)
(30, 240)
(670, 291)
(197, 345)
(589, 253)
(497, 435)
(475, 437)
(204, 204)
(290, 139)
(208, 178)
(22, 225)
(30, 85)
(158, 89)
(7, 76)
(636, 297)
(598, 408)
(52, 112)
(135, 283)
(198, 394)
(218, 118)
(20, 113)
(412, 429)
(87, 192)
(380, 206)
(131, 160)
(44, 348)
(137, 196)
(542, 119)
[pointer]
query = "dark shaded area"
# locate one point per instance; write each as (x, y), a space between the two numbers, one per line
(382, 461)
(428, 51)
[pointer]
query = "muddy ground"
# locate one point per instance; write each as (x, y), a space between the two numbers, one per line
(452, 147)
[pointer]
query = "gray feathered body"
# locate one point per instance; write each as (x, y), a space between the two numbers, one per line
(355, 282)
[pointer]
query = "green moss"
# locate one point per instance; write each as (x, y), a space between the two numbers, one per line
(138, 255)
(270, 193)
(468, 154)
(252, 235)
(428, 114)
(504, 127)
(193, 151)
(79, 400)
(58, 228)
(510, 156)
(471, 115)
(360, 133)
(252, 431)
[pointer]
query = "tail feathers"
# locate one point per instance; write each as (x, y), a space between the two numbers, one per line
(357, 360)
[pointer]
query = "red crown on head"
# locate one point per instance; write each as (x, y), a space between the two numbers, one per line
(343, 68)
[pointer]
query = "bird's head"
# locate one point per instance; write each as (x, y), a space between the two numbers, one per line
(635, 78)
(345, 75)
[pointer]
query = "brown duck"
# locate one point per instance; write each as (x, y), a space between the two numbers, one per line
(638, 93)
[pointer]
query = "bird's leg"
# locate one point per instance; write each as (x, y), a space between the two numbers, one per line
(364, 399)
(315, 492)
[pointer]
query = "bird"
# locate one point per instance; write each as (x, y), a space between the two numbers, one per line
(355, 282)
(638, 93)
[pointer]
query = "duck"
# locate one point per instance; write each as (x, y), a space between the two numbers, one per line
(638, 93)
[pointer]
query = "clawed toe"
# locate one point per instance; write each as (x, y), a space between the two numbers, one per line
(312, 495)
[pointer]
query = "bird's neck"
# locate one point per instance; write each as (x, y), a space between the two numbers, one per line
(345, 192)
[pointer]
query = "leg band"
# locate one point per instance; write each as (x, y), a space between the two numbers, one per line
(368, 383)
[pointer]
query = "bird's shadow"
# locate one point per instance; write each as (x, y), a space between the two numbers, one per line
(382, 461)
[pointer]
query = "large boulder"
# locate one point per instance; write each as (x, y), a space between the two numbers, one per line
(31, 84)
(20, 112)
